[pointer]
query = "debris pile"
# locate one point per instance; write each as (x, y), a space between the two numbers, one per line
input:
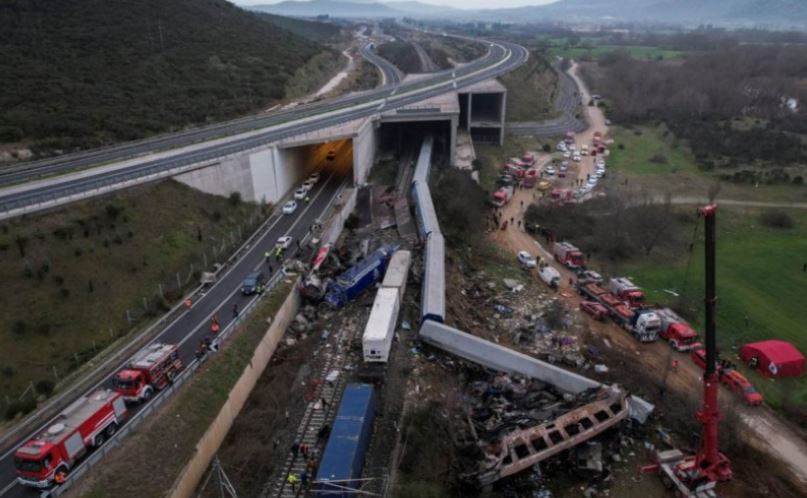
(509, 424)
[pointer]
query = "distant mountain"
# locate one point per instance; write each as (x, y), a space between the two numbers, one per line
(331, 8)
(421, 9)
(782, 12)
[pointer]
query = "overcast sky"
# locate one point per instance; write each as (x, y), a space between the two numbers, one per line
(466, 4)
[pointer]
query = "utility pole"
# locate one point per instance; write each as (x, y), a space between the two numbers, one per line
(226, 488)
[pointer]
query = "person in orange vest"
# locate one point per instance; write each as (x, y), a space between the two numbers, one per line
(214, 326)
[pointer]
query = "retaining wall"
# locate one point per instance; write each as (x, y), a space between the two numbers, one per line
(186, 484)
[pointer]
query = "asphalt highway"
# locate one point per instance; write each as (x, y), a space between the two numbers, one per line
(391, 74)
(502, 57)
(190, 328)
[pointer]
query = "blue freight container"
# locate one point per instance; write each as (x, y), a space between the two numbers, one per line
(352, 282)
(343, 460)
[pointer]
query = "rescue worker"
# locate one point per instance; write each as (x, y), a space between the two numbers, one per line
(293, 480)
(214, 325)
(188, 303)
(304, 478)
(235, 310)
(201, 350)
(307, 199)
(59, 478)
(267, 255)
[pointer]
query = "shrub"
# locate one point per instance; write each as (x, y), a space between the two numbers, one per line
(113, 211)
(798, 180)
(20, 407)
(58, 279)
(7, 371)
(547, 148)
(620, 146)
(235, 198)
(19, 327)
(659, 159)
(776, 218)
(44, 386)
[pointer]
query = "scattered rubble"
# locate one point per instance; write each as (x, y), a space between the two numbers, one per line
(510, 423)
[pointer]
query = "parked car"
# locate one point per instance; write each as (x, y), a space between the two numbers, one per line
(300, 194)
(576, 158)
(314, 177)
(308, 185)
(289, 207)
(561, 147)
(251, 283)
(596, 310)
(562, 173)
(567, 155)
(550, 171)
(284, 242)
(572, 146)
(526, 259)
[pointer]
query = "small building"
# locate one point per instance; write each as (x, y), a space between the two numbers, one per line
(774, 358)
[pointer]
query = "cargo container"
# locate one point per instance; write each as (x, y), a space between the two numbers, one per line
(380, 330)
(342, 462)
(351, 283)
(398, 272)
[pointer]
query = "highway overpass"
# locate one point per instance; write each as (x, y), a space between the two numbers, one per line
(119, 167)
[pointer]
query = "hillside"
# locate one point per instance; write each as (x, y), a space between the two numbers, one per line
(332, 8)
(88, 73)
(319, 32)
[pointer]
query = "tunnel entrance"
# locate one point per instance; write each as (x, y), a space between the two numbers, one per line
(295, 163)
(401, 140)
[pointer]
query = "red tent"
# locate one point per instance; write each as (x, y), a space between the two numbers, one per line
(774, 358)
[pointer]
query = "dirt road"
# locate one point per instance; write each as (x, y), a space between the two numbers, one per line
(767, 430)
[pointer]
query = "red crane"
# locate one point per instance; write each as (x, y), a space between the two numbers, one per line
(696, 475)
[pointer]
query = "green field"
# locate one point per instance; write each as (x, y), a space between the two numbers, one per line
(653, 159)
(650, 151)
(597, 51)
(761, 286)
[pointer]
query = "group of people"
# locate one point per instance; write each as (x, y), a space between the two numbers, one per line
(311, 456)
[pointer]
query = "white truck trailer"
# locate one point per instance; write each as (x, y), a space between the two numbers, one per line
(380, 330)
(398, 272)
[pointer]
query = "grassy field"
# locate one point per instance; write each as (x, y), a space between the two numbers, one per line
(760, 282)
(597, 51)
(65, 295)
(531, 91)
(650, 151)
(652, 158)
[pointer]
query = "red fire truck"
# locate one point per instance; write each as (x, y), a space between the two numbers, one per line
(149, 371)
(83, 425)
